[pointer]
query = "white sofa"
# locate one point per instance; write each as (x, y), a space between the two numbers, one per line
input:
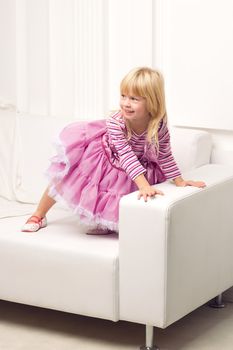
(173, 253)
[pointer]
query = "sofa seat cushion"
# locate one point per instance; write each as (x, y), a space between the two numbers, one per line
(59, 267)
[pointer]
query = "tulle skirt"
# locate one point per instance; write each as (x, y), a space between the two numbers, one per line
(86, 175)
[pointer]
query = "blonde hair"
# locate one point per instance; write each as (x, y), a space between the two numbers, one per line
(147, 83)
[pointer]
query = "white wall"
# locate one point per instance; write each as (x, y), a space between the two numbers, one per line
(65, 58)
(197, 56)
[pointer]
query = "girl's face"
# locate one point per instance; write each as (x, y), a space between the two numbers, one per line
(134, 109)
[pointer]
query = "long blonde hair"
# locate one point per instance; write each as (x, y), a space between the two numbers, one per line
(147, 83)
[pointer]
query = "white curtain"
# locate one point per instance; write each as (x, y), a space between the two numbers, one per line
(71, 54)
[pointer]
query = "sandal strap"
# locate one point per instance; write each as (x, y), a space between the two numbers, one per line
(34, 219)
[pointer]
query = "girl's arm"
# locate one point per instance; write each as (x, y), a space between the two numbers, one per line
(128, 160)
(180, 182)
(145, 189)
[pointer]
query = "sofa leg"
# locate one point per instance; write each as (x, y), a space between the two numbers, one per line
(149, 339)
(217, 302)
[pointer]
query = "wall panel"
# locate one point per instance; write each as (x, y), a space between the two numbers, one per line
(198, 56)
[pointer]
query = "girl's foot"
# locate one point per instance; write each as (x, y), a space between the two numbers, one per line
(100, 231)
(34, 223)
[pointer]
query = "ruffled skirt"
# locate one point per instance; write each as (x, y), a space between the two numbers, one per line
(86, 175)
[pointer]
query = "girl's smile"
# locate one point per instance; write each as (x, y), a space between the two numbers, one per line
(134, 110)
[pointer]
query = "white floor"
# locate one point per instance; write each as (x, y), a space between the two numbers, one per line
(28, 328)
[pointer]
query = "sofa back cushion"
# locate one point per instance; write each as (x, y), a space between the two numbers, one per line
(8, 161)
(36, 135)
(191, 147)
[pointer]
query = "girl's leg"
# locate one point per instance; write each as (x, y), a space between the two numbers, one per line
(44, 205)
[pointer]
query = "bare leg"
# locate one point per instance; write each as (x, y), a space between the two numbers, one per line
(44, 205)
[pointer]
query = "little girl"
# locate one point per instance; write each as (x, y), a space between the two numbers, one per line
(100, 161)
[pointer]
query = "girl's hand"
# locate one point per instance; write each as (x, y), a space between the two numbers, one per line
(148, 191)
(183, 183)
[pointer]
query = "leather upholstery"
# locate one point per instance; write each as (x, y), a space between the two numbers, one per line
(178, 248)
(60, 267)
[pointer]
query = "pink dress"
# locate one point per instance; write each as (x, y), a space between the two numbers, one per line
(95, 166)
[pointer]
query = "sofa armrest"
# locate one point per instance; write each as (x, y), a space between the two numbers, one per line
(175, 251)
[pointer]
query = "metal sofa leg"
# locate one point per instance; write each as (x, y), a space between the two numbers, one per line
(217, 302)
(149, 339)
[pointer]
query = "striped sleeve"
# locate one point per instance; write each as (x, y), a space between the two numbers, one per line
(165, 156)
(128, 160)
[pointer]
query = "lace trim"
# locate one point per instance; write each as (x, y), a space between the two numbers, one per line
(85, 216)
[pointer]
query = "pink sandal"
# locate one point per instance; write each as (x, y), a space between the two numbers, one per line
(34, 223)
